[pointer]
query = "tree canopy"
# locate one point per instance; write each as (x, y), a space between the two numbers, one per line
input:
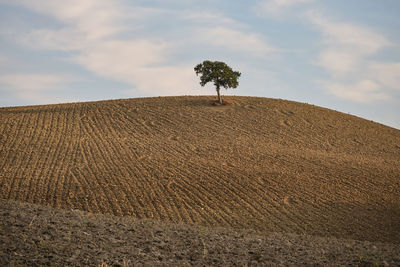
(219, 73)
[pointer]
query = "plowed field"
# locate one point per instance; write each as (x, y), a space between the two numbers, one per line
(263, 164)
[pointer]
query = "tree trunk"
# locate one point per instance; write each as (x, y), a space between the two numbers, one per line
(219, 96)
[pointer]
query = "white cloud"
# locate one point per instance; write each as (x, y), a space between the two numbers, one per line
(120, 57)
(169, 80)
(86, 15)
(35, 82)
(66, 39)
(387, 74)
(216, 30)
(35, 88)
(93, 31)
(90, 28)
(338, 61)
(346, 47)
(275, 6)
(209, 18)
(138, 63)
(365, 91)
(360, 40)
(345, 55)
(83, 22)
(238, 41)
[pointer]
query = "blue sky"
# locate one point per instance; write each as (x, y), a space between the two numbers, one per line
(343, 55)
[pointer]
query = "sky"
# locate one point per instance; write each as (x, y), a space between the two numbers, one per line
(339, 54)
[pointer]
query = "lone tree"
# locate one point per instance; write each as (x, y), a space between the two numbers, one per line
(219, 73)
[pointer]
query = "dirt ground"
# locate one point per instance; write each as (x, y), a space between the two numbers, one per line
(32, 235)
(267, 165)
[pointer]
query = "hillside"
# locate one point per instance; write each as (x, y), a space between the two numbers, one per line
(263, 164)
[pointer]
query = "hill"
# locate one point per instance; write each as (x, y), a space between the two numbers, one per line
(263, 164)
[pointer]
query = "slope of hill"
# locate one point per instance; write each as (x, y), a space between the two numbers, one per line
(263, 164)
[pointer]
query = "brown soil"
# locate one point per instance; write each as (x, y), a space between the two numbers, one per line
(225, 102)
(263, 164)
(32, 235)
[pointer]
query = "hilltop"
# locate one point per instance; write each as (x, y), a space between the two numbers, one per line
(263, 164)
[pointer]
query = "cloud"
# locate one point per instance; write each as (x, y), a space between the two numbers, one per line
(275, 6)
(234, 40)
(168, 80)
(35, 88)
(214, 30)
(96, 18)
(359, 39)
(346, 47)
(111, 39)
(119, 57)
(35, 82)
(83, 23)
(91, 30)
(139, 63)
(365, 91)
(339, 61)
(387, 74)
(207, 17)
(346, 52)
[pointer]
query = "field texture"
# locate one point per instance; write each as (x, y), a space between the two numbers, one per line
(35, 235)
(262, 164)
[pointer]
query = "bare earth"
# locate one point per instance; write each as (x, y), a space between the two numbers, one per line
(261, 164)
(35, 235)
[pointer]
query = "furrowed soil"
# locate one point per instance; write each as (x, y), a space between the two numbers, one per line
(262, 164)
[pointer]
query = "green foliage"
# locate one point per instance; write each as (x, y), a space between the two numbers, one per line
(217, 72)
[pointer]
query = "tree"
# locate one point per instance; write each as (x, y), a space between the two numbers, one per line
(219, 73)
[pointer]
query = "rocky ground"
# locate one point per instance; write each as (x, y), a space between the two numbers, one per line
(33, 235)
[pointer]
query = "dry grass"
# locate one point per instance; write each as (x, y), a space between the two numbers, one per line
(264, 164)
